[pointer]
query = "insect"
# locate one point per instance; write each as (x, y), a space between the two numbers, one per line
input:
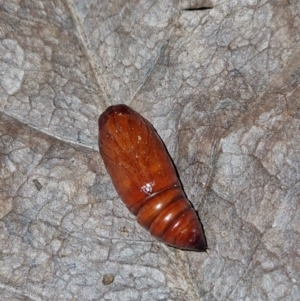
(146, 180)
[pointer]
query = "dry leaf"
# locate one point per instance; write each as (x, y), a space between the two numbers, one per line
(220, 82)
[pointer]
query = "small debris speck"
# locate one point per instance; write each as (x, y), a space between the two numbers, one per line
(37, 184)
(108, 279)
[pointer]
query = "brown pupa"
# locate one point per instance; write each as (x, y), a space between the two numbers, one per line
(145, 178)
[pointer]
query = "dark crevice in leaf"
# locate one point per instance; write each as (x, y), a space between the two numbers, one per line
(198, 8)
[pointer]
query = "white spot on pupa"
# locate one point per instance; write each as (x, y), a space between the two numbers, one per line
(147, 188)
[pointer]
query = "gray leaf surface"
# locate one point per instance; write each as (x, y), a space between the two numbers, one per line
(219, 80)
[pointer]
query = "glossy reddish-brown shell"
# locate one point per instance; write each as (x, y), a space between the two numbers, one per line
(145, 178)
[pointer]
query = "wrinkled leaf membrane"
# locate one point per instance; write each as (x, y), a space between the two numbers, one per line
(219, 80)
